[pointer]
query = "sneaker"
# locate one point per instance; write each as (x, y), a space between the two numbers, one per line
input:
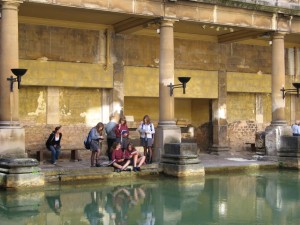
(135, 169)
(54, 163)
(118, 170)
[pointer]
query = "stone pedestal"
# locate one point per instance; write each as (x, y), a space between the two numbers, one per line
(20, 173)
(289, 152)
(181, 160)
(165, 134)
(12, 141)
(273, 138)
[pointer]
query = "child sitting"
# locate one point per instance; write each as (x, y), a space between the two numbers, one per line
(136, 159)
(120, 162)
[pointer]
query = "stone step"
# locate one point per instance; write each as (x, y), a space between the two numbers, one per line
(70, 174)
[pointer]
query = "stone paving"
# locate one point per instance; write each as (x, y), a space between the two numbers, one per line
(66, 170)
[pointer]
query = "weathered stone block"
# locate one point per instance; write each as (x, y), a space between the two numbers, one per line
(183, 170)
(289, 146)
(181, 149)
(18, 173)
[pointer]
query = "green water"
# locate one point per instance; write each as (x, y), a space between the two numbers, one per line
(262, 198)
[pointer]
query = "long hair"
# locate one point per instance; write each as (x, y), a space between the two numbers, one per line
(146, 119)
(122, 118)
(114, 146)
(130, 144)
(100, 127)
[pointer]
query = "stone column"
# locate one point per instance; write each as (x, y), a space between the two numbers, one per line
(9, 58)
(12, 136)
(278, 127)
(278, 80)
(219, 111)
(167, 131)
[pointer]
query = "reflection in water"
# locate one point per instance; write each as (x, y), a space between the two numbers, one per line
(54, 203)
(266, 198)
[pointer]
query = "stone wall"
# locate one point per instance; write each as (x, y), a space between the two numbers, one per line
(79, 107)
(242, 132)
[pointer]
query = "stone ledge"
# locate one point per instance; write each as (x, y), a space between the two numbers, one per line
(95, 173)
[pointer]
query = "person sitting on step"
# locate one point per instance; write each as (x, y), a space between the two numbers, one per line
(136, 159)
(120, 162)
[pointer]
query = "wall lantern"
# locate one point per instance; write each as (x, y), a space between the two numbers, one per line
(294, 90)
(183, 81)
(19, 73)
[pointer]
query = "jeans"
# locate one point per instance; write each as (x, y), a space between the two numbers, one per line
(54, 153)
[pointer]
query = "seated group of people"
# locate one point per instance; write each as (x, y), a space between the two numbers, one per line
(122, 159)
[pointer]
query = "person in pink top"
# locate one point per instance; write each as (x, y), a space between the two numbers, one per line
(136, 159)
(120, 163)
(122, 132)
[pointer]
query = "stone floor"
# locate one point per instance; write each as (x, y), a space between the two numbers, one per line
(66, 170)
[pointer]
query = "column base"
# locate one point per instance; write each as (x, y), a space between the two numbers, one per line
(278, 123)
(273, 138)
(9, 124)
(219, 150)
(19, 173)
(167, 123)
(12, 141)
(165, 134)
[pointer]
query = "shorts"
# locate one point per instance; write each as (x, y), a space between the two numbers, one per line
(147, 142)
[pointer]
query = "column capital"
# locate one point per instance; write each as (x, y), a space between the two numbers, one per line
(278, 35)
(167, 21)
(10, 4)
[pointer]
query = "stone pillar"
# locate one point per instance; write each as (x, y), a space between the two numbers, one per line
(167, 131)
(278, 125)
(219, 111)
(9, 58)
(12, 136)
(278, 80)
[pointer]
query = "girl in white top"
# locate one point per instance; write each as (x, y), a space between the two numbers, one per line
(147, 131)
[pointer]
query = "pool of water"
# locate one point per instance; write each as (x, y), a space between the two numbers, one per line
(254, 198)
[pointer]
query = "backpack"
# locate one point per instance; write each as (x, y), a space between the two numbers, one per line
(87, 141)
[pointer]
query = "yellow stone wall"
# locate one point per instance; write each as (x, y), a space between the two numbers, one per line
(66, 74)
(143, 81)
(191, 111)
(240, 106)
(59, 44)
(33, 105)
(72, 61)
(80, 106)
(248, 82)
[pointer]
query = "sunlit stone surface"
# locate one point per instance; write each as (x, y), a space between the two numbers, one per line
(17, 173)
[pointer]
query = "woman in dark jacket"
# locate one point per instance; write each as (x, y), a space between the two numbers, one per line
(53, 144)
